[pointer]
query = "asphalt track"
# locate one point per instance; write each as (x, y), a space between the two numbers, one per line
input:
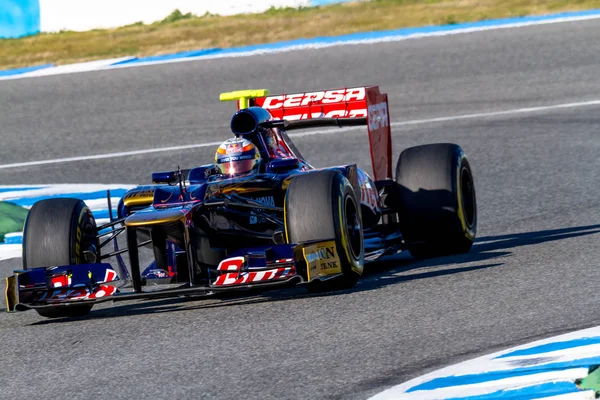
(533, 272)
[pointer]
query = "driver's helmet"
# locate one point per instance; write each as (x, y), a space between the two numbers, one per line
(237, 156)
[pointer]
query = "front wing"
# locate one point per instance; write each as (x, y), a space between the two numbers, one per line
(264, 267)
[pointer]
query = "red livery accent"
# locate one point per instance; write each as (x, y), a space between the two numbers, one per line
(110, 275)
(236, 278)
(342, 103)
(282, 261)
(336, 103)
(79, 293)
(60, 281)
(231, 264)
(101, 291)
(380, 135)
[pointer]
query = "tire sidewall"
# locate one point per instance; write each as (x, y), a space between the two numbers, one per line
(433, 200)
(45, 224)
(469, 230)
(80, 232)
(82, 225)
(343, 192)
(315, 211)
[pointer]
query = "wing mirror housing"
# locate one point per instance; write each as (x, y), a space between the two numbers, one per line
(164, 177)
(283, 164)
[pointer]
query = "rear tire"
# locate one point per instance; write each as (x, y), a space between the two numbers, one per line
(322, 205)
(58, 232)
(438, 209)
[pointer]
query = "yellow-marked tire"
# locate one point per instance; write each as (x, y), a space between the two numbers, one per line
(436, 200)
(322, 206)
(58, 232)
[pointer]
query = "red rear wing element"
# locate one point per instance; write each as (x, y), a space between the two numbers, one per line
(343, 103)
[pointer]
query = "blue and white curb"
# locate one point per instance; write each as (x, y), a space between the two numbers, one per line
(545, 369)
(301, 44)
(94, 195)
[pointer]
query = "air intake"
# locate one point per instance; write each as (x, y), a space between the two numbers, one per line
(247, 120)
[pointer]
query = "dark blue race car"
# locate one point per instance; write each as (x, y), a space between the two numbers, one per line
(258, 216)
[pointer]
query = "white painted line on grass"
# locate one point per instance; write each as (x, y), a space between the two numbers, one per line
(452, 118)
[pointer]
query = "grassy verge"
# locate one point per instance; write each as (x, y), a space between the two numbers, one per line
(187, 32)
(12, 218)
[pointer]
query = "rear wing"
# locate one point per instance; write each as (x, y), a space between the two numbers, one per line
(341, 107)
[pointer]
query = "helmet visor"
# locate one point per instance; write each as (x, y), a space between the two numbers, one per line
(237, 167)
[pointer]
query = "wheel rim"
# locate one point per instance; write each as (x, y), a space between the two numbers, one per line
(468, 196)
(353, 228)
(89, 241)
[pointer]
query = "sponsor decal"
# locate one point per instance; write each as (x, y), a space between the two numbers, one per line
(163, 201)
(322, 259)
(321, 97)
(337, 103)
(231, 264)
(110, 276)
(236, 158)
(340, 113)
(378, 116)
(79, 293)
(368, 195)
(267, 201)
(140, 194)
(157, 273)
(237, 278)
(65, 279)
(79, 237)
(61, 280)
(138, 198)
(234, 148)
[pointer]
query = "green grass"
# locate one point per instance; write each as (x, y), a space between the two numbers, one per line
(181, 32)
(12, 218)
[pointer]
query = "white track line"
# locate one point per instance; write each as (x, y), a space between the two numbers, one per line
(490, 114)
(526, 110)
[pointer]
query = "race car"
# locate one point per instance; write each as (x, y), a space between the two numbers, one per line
(258, 216)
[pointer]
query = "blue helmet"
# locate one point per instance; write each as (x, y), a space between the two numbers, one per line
(237, 156)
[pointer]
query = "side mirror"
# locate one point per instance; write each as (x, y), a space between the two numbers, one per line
(164, 177)
(169, 177)
(283, 164)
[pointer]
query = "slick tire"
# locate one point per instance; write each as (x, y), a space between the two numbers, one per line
(57, 232)
(323, 206)
(436, 195)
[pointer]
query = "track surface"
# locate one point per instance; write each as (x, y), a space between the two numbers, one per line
(532, 273)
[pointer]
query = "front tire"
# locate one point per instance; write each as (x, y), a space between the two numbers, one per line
(438, 209)
(59, 232)
(322, 206)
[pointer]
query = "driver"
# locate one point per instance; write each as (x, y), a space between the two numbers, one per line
(237, 156)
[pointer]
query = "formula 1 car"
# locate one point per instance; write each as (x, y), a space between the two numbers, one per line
(285, 224)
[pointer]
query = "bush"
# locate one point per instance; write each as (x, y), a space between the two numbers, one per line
(176, 15)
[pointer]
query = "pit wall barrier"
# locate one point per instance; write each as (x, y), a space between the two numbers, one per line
(25, 17)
